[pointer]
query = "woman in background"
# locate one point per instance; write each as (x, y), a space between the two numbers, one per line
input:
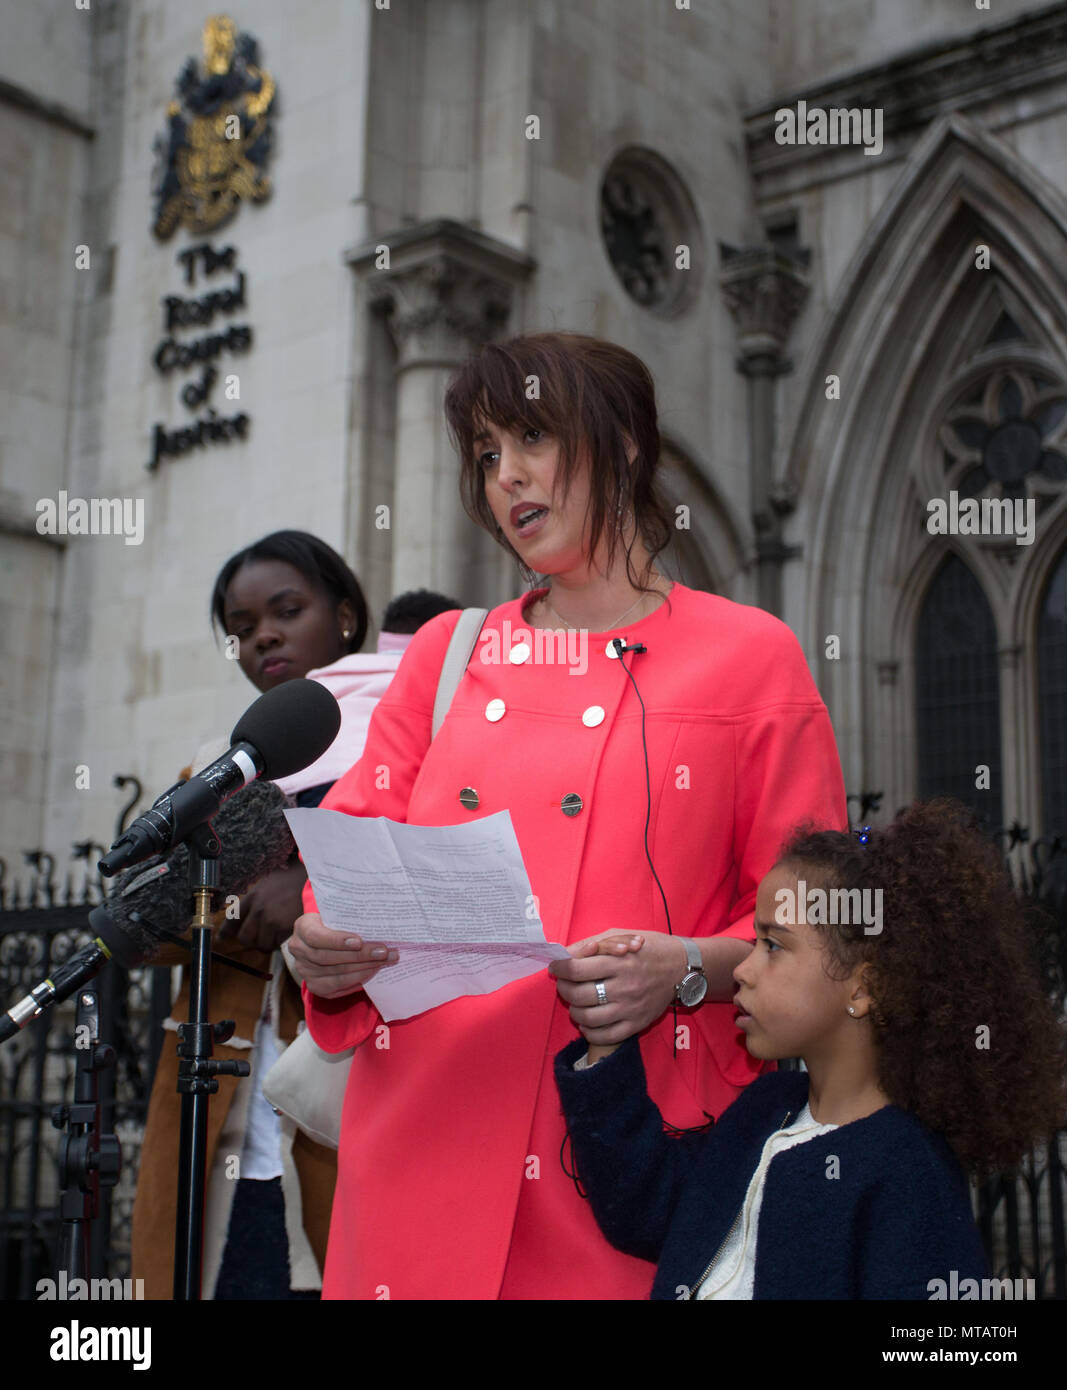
(296, 610)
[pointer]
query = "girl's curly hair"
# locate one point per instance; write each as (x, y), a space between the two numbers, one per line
(966, 1038)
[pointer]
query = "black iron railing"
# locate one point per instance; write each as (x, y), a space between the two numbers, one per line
(43, 923)
(1020, 1215)
(36, 1074)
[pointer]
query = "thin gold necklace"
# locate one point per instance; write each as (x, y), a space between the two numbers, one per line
(617, 621)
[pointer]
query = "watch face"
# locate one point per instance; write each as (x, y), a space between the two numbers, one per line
(692, 989)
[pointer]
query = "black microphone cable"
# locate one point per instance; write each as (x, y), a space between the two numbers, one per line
(674, 1130)
(620, 648)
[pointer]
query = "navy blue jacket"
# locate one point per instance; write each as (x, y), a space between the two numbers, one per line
(874, 1209)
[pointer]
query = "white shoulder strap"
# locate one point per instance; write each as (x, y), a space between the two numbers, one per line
(460, 647)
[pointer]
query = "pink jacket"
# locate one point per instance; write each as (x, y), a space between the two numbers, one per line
(357, 683)
(450, 1183)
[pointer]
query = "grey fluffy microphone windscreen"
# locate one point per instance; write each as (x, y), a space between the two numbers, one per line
(153, 900)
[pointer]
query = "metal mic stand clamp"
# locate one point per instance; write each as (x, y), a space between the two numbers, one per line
(197, 1069)
(88, 1159)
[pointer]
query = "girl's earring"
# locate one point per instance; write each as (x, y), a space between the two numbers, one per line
(852, 1011)
(346, 634)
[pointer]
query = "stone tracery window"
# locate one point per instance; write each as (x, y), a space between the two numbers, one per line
(1008, 438)
(1004, 436)
(646, 214)
(957, 692)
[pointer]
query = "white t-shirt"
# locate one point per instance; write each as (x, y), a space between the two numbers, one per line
(733, 1273)
(261, 1154)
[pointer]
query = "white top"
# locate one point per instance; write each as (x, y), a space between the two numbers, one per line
(261, 1154)
(733, 1273)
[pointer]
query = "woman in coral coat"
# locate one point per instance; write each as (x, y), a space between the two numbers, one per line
(451, 1176)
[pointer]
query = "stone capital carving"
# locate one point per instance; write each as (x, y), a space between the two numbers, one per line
(764, 291)
(447, 289)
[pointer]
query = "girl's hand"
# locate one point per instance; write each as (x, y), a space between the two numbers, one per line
(332, 964)
(639, 983)
(611, 944)
(268, 910)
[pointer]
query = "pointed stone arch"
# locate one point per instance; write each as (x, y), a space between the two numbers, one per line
(1049, 551)
(1050, 790)
(913, 323)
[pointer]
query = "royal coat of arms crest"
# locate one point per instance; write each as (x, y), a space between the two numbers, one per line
(219, 136)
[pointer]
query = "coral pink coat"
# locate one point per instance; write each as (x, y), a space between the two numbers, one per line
(449, 1181)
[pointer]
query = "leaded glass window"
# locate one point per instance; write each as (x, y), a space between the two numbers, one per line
(957, 693)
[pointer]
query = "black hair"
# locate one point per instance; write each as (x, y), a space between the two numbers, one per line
(319, 563)
(407, 612)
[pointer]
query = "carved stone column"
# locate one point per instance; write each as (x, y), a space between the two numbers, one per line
(1020, 797)
(446, 290)
(764, 291)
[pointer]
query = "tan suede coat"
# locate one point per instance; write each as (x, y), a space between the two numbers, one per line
(311, 1169)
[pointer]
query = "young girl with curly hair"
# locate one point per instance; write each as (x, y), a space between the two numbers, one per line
(930, 1048)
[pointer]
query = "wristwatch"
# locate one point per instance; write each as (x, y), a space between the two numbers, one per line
(694, 984)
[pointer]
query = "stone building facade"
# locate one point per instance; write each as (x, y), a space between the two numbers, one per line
(839, 334)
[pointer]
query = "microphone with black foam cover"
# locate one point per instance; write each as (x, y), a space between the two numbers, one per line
(153, 902)
(281, 733)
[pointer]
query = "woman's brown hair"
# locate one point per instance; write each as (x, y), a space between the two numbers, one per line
(589, 394)
(966, 1038)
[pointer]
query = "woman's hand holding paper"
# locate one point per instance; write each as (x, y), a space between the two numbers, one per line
(332, 964)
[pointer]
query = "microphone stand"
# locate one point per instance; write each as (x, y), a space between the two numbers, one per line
(197, 1071)
(88, 1159)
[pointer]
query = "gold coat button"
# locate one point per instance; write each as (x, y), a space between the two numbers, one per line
(469, 798)
(593, 716)
(494, 710)
(571, 804)
(519, 653)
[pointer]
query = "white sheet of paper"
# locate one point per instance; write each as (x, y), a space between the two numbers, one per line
(455, 900)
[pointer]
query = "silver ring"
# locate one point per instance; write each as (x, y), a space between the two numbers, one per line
(601, 992)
